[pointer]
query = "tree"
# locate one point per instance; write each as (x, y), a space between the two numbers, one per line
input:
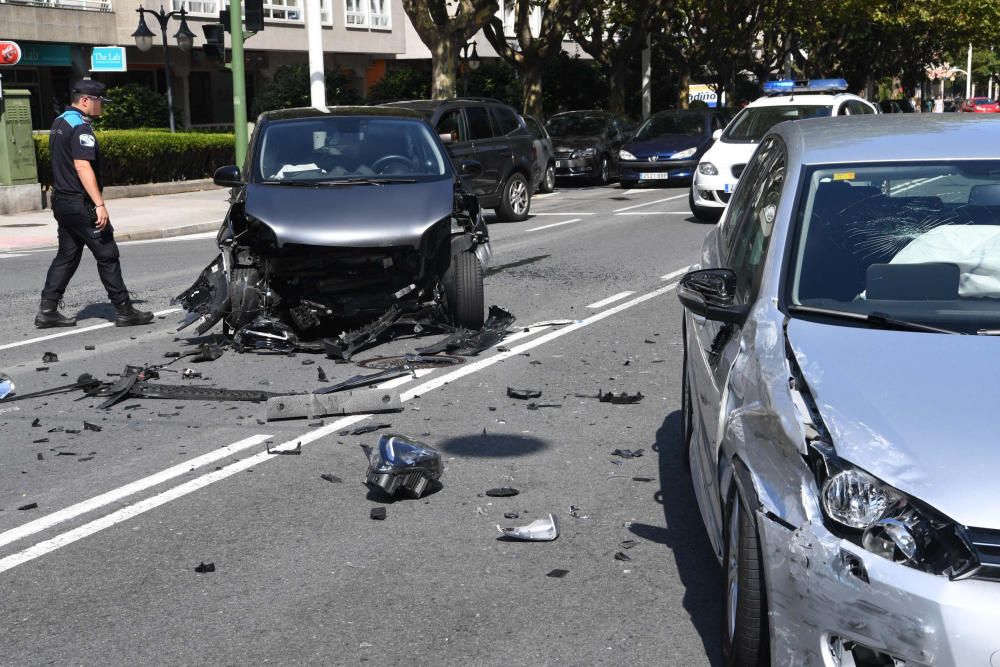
(402, 84)
(134, 106)
(445, 34)
(290, 89)
(530, 53)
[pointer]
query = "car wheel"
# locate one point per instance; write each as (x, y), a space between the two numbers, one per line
(548, 183)
(244, 299)
(515, 202)
(463, 287)
(604, 171)
(702, 213)
(744, 611)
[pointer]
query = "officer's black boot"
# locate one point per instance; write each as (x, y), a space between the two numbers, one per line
(49, 316)
(128, 316)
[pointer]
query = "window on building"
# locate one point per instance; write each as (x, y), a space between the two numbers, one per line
(369, 14)
(285, 11)
(356, 14)
(380, 15)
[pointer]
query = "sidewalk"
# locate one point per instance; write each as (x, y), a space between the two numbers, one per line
(134, 218)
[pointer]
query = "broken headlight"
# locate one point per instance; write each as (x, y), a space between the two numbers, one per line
(880, 518)
(401, 463)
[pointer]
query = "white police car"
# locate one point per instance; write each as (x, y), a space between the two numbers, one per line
(719, 169)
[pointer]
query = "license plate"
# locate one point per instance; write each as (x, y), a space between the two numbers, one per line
(562, 164)
(654, 176)
(728, 187)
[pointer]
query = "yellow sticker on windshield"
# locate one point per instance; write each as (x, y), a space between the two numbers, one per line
(843, 176)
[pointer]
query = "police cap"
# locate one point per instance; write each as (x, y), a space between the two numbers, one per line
(91, 88)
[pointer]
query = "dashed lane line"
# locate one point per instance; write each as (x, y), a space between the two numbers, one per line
(648, 203)
(655, 213)
(610, 300)
(565, 213)
(554, 224)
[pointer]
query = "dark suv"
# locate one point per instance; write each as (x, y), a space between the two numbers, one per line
(586, 144)
(494, 135)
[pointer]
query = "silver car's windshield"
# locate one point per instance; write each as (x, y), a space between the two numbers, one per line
(754, 122)
(348, 147)
(917, 242)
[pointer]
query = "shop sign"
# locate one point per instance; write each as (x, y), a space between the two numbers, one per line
(107, 59)
(10, 53)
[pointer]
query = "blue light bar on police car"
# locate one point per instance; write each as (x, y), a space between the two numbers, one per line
(787, 86)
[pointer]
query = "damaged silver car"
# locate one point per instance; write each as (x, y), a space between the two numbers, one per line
(839, 393)
(342, 215)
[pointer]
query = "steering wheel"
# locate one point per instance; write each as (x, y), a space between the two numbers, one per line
(382, 162)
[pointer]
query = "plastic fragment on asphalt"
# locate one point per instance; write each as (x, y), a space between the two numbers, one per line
(523, 394)
(502, 492)
(315, 424)
(627, 453)
(627, 544)
(87, 426)
(190, 373)
(642, 479)
(321, 374)
(311, 406)
(620, 555)
(29, 506)
(577, 513)
(557, 574)
(308, 362)
(398, 463)
(651, 342)
(50, 358)
(7, 386)
(370, 428)
(65, 453)
(377, 513)
(333, 479)
(536, 406)
(540, 530)
(40, 457)
(85, 458)
(172, 355)
(72, 431)
(204, 567)
(42, 368)
(36, 423)
(39, 441)
(620, 399)
(511, 515)
(89, 347)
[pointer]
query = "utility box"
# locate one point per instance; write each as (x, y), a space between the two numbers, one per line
(17, 149)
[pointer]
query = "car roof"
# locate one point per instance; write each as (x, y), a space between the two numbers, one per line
(803, 99)
(313, 112)
(585, 112)
(890, 138)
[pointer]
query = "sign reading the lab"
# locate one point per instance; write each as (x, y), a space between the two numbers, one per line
(107, 59)
(10, 53)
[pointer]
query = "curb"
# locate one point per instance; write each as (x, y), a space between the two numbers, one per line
(141, 235)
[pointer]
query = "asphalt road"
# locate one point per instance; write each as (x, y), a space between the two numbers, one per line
(103, 570)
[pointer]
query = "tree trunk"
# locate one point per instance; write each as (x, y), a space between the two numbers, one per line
(531, 88)
(684, 87)
(617, 85)
(445, 68)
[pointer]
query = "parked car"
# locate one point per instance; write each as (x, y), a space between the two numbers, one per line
(900, 105)
(668, 145)
(980, 105)
(720, 167)
(841, 438)
(493, 134)
(545, 162)
(342, 215)
(587, 144)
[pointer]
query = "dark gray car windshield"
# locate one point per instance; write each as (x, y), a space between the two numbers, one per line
(576, 125)
(348, 147)
(917, 242)
(751, 124)
(690, 124)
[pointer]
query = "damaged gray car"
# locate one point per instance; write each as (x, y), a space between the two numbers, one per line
(839, 390)
(342, 215)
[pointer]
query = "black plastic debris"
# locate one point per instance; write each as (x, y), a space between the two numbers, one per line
(87, 426)
(39, 441)
(651, 342)
(72, 431)
(40, 457)
(36, 423)
(536, 406)
(65, 453)
(370, 428)
(207, 299)
(399, 463)
(321, 374)
(268, 335)
(316, 424)
(29, 506)
(50, 358)
(502, 492)
(412, 361)
(172, 355)
(620, 399)
(190, 374)
(627, 544)
(85, 458)
(621, 555)
(642, 479)
(470, 343)
(357, 381)
(627, 453)
(512, 515)
(42, 369)
(204, 567)
(308, 362)
(523, 394)
(333, 479)
(377, 513)
(207, 352)
(557, 574)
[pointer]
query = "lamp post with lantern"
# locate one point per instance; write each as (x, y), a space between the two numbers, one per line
(144, 42)
(470, 58)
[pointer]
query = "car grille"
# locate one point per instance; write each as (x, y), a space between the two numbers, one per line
(986, 543)
(563, 155)
(738, 169)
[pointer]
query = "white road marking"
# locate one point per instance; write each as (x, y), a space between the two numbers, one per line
(567, 213)
(649, 203)
(5, 255)
(674, 274)
(70, 331)
(636, 191)
(655, 213)
(554, 224)
(610, 299)
(73, 511)
(64, 539)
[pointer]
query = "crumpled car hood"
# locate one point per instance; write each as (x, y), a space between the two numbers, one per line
(352, 216)
(918, 410)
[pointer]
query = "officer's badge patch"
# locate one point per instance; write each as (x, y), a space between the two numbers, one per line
(87, 140)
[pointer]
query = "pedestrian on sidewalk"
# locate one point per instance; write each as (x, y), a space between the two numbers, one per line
(79, 210)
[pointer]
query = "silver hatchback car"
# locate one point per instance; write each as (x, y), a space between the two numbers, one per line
(841, 409)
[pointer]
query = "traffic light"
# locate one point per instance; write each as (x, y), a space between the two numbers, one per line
(224, 19)
(215, 43)
(253, 15)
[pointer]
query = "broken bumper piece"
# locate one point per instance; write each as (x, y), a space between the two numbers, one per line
(208, 299)
(311, 406)
(542, 530)
(399, 463)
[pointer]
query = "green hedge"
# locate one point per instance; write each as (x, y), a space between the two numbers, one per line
(150, 156)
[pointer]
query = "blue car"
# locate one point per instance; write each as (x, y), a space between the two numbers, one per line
(668, 145)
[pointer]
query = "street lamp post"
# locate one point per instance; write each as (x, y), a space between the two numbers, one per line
(144, 41)
(470, 57)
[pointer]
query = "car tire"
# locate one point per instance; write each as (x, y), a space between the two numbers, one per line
(548, 183)
(745, 640)
(244, 299)
(702, 213)
(463, 287)
(515, 199)
(604, 171)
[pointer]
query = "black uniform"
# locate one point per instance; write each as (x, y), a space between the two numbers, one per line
(72, 138)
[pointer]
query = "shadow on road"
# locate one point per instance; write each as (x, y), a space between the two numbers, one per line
(493, 270)
(493, 445)
(685, 536)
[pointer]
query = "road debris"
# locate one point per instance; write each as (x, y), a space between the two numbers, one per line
(621, 555)
(512, 515)
(523, 394)
(321, 374)
(400, 463)
(87, 426)
(333, 479)
(627, 544)
(540, 530)
(536, 406)
(502, 492)
(627, 453)
(413, 361)
(557, 574)
(620, 399)
(190, 374)
(50, 358)
(311, 406)
(370, 428)
(577, 513)
(204, 567)
(470, 343)
(358, 381)
(36, 422)
(29, 506)
(7, 386)
(377, 513)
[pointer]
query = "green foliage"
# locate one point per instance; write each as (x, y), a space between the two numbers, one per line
(133, 106)
(573, 83)
(494, 78)
(289, 89)
(402, 84)
(150, 156)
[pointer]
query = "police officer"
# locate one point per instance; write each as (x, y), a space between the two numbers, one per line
(79, 208)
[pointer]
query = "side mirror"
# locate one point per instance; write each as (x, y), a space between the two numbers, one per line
(471, 168)
(716, 135)
(711, 293)
(228, 176)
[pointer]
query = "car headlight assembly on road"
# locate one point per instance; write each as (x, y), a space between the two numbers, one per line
(625, 155)
(707, 169)
(682, 155)
(866, 511)
(584, 152)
